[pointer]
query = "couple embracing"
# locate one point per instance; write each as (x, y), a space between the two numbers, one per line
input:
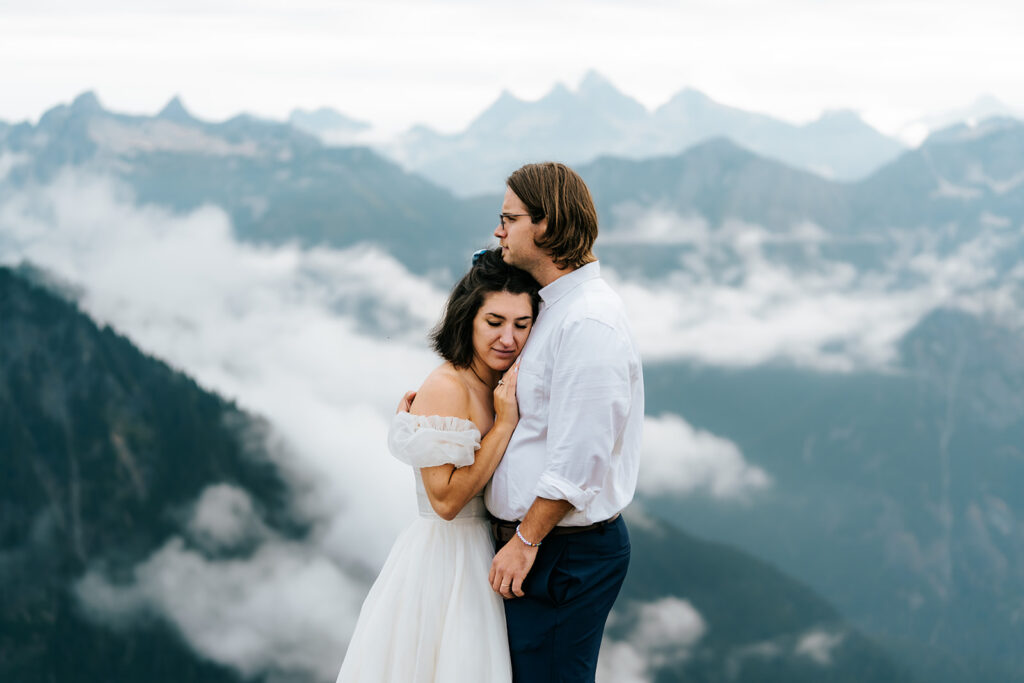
(525, 441)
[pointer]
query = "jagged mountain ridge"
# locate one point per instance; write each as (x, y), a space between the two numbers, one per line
(280, 185)
(964, 177)
(331, 126)
(598, 120)
(982, 108)
(962, 185)
(961, 173)
(276, 183)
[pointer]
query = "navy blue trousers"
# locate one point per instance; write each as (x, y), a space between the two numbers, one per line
(554, 631)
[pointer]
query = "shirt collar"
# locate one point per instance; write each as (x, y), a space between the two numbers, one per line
(570, 281)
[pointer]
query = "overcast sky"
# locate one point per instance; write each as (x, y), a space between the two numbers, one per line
(440, 62)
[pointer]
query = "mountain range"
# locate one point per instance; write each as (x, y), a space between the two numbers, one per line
(896, 492)
(598, 120)
(984, 107)
(961, 173)
(277, 184)
(333, 127)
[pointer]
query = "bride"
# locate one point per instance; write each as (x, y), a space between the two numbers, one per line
(431, 616)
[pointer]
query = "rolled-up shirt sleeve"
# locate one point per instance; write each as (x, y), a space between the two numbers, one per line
(589, 406)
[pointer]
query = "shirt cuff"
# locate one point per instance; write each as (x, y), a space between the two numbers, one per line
(553, 487)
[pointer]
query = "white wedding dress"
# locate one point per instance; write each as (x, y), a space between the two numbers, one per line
(431, 616)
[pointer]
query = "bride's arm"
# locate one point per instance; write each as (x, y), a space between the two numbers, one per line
(450, 488)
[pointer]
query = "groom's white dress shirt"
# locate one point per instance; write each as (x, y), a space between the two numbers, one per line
(581, 407)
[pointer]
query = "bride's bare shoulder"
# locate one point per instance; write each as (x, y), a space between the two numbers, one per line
(444, 392)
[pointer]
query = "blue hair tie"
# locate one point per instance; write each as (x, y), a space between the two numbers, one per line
(477, 255)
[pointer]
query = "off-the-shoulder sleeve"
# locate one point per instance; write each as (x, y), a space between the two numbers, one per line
(430, 440)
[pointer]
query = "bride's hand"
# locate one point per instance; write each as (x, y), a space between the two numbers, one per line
(505, 406)
(406, 403)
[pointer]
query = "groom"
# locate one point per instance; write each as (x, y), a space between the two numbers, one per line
(571, 465)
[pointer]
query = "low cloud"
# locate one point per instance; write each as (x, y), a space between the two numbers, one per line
(817, 646)
(621, 662)
(664, 634)
(654, 226)
(9, 161)
(732, 302)
(224, 518)
(283, 608)
(679, 459)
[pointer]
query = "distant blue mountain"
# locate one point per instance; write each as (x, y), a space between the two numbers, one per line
(175, 111)
(598, 120)
(959, 183)
(984, 107)
(277, 183)
(329, 125)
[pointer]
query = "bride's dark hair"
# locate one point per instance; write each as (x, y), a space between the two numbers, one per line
(453, 336)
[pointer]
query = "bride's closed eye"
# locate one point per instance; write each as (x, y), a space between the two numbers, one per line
(519, 326)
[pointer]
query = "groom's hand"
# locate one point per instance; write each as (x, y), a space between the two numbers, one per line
(510, 567)
(514, 561)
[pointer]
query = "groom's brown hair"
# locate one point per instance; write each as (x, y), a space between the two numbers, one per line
(554, 191)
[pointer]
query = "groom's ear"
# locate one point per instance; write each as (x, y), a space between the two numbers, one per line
(540, 227)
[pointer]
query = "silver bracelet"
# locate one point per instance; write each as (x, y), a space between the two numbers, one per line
(521, 538)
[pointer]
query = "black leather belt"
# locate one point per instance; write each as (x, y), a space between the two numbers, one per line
(504, 531)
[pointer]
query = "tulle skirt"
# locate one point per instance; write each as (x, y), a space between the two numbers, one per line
(431, 616)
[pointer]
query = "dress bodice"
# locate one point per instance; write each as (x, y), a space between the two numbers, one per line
(474, 508)
(430, 440)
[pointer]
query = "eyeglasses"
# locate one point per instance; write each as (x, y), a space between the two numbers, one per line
(504, 216)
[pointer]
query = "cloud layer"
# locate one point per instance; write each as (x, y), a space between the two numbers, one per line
(733, 301)
(323, 342)
(284, 609)
(665, 632)
(679, 459)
